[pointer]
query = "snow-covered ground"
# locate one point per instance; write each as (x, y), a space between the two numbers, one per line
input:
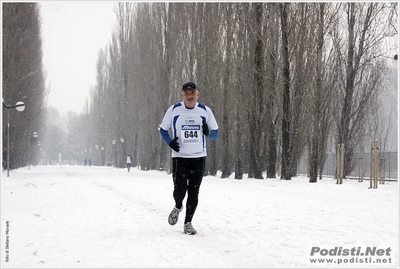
(79, 217)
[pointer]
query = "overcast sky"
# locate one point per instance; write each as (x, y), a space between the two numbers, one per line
(73, 34)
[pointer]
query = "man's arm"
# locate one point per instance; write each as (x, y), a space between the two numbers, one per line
(171, 143)
(213, 134)
(165, 136)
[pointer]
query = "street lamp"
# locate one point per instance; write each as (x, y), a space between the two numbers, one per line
(100, 149)
(97, 147)
(40, 155)
(101, 156)
(122, 141)
(34, 134)
(20, 106)
(115, 142)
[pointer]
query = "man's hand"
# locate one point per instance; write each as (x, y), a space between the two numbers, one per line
(174, 144)
(206, 131)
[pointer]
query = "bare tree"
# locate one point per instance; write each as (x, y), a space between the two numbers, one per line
(286, 143)
(23, 78)
(269, 77)
(256, 108)
(315, 141)
(359, 67)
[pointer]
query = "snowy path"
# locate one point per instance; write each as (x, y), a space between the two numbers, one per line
(73, 216)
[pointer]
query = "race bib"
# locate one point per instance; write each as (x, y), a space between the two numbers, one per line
(190, 134)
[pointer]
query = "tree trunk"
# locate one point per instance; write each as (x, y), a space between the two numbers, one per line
(316, 134)
(256, 127)
(226, 169)
(286, 152)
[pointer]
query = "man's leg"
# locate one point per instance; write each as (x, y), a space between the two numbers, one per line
(195, 179)
(179, 175)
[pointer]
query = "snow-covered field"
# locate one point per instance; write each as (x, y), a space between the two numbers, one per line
(79, 217)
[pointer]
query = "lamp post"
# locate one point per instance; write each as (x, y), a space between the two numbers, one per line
(90, 157)
(34, 134)
(98, 150)
(115, 142)
(20, 106)
(122, 141)
(40, 155)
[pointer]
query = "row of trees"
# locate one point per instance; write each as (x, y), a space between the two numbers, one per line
(283, 79)
(23, 79)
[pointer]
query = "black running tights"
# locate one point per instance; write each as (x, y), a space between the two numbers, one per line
(187, 174)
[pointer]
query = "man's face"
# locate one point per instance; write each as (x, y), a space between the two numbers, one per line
(190, 97)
